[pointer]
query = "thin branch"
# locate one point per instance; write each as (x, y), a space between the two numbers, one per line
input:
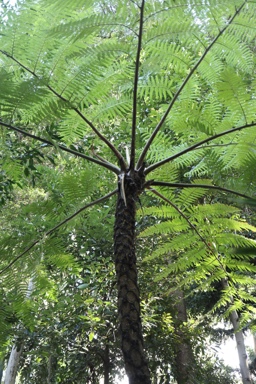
(192, 71)
(104, 164)
(56, 227)
(168, 159)
(88, 122)
(217, 145)
(135, 88)
(204, 186)
(182, 215)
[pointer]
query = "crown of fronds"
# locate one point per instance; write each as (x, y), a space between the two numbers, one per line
(66, 63)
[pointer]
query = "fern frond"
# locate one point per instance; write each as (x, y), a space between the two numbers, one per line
(230, 48)
(188, 198)
(155, 87)
(177, 225)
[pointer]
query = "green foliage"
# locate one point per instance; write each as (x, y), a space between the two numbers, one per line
(67, 76)
(179, 250)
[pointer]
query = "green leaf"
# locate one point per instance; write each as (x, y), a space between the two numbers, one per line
(91, 336)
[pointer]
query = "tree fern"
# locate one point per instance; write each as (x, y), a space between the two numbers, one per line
(159, 94)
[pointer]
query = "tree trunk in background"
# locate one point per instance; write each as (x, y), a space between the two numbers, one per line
(254, 342)
(184, 354)
(136, 365)
(1, 370)
(13, 365)
(51, 368)
(106, 365)
(14, 359)
(243, 361)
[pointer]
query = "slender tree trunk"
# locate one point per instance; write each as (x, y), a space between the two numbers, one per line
(243, 361)
(254, 342)
(14, 359)
(136, 365)
(252, 365)
(184, 354)
(13, 365)
(1, 370)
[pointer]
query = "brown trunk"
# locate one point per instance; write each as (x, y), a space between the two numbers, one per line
(136, 365)
(184, 353)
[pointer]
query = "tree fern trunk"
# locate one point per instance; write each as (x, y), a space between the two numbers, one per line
(128, 292)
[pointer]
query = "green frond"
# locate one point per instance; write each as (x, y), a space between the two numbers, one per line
(188, 197)
(176, 225)
(236, 53)
(78, 186)
(163, 250)
(214, 210)
(155, 87)
(112, 109)
(244, 25)
(232, 225)
(169, 55)
(231, 90)
(180, 266)
(241, 266)
(232, 240)
(211, 68)
(164, 211)
(62, 262)
(169, 27)
(169, 173)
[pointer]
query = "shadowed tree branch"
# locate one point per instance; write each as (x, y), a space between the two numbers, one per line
(192, 71)
(189, 149)
(56, 227)
(88, 122)
(102, 163)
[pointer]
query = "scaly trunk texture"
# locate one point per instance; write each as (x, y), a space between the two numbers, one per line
(243, 361)
(184, 354)
(136, 365)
